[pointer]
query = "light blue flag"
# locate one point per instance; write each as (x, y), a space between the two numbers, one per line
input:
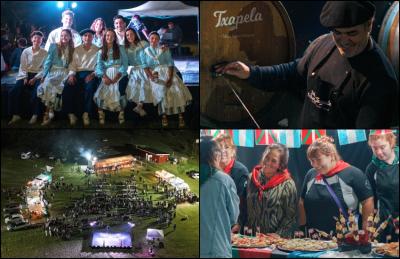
(243, 138)
(351, 136)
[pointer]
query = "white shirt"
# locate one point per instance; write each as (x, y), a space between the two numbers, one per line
(54, 37)
(120, 39)
(31, 63)
(83, 60)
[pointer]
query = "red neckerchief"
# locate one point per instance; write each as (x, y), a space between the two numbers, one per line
(229, 166)
(274, 181)
(341, 165)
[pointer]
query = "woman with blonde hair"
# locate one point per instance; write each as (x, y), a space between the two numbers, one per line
(383, 174)
(335, 186)
(272, 194)
(238, 172)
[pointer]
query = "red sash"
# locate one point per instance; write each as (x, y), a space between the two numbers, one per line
(274, 181)
(229, 166)
(340, 165)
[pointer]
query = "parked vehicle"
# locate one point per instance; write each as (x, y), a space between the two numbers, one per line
(13, 226)
(13, 217)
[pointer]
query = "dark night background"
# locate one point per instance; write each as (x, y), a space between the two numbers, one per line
(45, 14)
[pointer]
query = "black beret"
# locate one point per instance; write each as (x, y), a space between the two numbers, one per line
(82, 32)
(342, 14)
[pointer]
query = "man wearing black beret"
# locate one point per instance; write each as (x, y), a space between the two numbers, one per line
(347, 79)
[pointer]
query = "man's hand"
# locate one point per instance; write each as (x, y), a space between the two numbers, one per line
(237, 68)
(32, 81)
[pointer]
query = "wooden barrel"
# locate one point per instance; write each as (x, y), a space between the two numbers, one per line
(389, 35)
(256, 33)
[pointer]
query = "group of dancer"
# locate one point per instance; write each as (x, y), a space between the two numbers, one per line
(108, 66)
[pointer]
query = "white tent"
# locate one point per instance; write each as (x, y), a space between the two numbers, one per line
(154, 234)
(161, 8)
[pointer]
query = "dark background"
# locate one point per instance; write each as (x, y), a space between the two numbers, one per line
(45, 14)
(305, 20)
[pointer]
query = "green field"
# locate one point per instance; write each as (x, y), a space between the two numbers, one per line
(184, 242)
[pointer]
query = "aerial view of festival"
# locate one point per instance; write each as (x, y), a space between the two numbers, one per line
(68, 193)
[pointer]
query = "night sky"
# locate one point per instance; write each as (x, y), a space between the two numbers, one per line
(46, 15)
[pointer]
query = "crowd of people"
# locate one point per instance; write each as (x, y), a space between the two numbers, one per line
(266, 200)
(97, 68)
(104, 203)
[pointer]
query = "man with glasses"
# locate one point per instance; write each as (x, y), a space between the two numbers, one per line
(347, 80)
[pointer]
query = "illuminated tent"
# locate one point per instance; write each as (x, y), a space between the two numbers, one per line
(161, 9)
(154, 234)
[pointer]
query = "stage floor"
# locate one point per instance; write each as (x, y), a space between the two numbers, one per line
(189, 68)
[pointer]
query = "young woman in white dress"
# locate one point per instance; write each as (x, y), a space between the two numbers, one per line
(160, 69)
(55, 73)
(139, 89)
(111, 68)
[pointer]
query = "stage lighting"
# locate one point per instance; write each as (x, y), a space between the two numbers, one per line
(60, 4)
(87, 155)
(74, 5)
(131, 224)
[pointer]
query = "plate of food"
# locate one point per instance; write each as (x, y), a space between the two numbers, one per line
(259, 241)
(306, 245)
(387, 250)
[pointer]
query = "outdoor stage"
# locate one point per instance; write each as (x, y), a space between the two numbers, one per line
(118, 240)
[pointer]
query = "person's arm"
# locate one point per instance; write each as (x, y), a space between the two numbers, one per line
(364, 193)
(43, 56)
(23, 66)
(302, 213)
(287, 211)
(49, 60)
(367, 209)
(369, 172)
(99, 65)
(232, 203)
(73, 68)
(265, 77)
(171, 65)
(124, 62)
